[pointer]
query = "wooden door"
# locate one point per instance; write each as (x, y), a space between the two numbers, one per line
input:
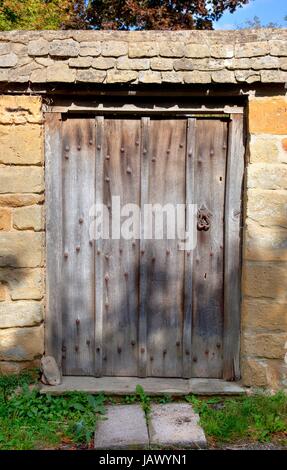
(142, 306)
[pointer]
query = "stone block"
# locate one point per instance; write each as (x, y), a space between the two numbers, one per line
(125, 63)
(197, 51)
(21, 313)
(5, 48)
(222, 51)
(197, 77)
(20, 200)
(171, 49)
(264, 345)
(223, 76)
(143, 49)
(264, 243)
(263, 149)
(121, 76)
(8, 60)
(268, 115)
(90, 48)
(149, 77)
(5, 219)
(17, 367)
(172, 77)
(114, 48)
(21, 344)
(278, 47)
(64, 48)
(38, 47)
(90, 76)
(266, 176)
(273, 76)
(20, 179)
(20, 109)
(160, 64)
(183, 64)
(80, 62)
(263, 279)
(252, 49)
(21, 249)
(103, 63)
(28, 218)
(60, 73)
(23, 283)
(21, 145)
(264, 315)
(268, 208)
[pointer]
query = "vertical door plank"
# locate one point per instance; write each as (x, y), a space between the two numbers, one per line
(143, 292)
(78, 303)
(163, 261)
(210, 164)
(187, 327)
(121, 256)
(53, 172)
(233, 203)
(99, 263)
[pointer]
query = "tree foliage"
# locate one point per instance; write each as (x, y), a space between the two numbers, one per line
(113, 14)
(40, 14)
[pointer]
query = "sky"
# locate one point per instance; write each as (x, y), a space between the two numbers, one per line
(267, 10)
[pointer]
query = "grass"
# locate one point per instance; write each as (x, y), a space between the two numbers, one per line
(29, 420)
(257, 418)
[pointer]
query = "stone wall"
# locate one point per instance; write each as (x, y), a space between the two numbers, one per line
(264, 309)
(243, 59)
(21, 232)
(146, 57)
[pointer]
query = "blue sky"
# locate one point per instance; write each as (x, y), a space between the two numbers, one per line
(266, 10)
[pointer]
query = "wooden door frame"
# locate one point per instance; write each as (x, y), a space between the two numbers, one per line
(232, 230)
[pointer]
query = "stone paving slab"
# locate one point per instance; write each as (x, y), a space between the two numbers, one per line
(151, 385)
(124, 428)
(175, 425)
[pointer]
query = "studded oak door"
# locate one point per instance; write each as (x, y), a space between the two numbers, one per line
(141, 306)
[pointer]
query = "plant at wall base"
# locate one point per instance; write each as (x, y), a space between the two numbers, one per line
(29, 420)
(144, 399)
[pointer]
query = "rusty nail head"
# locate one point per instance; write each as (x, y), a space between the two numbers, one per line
(66, 254)
(107, 277)
(81, 220)
(77, 248)
(142, 350)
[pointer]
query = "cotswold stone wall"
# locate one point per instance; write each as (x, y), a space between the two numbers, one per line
(42, 60)
(264, 308)
(21, 232)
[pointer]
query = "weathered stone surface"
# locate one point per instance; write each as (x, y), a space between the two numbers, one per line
(5, 219)
(197, 50)
(268, 115)
(38, 47)
(4, 75)
(39, 75)
(266, 176)
(17, 179)
(149, 77)
(20, 200)
(267, 345)
(266, 62)
(80, 62)
(114, 48)
(263, 149)
(183, 64)
(175, 424)
(124, 428)
(264, 315)
(265, 280)
(252, 49)
(125, 63)
(28, 218)
(160, 64)
(248, 76)
(51, 373)
(5, 48)
(197, 77)
(17, 367)
(102, 63)
(224, 51)
(171, 49)
(121, 76)
(60, 73)
(268, 208)
(64, 48)
(143, 49)
(90, 48)
(278, 47)
(223, 76)
(264, 243)
(21, 344)
(90, 76)
(172, 77)
(21, 145)
(255, 372)
(273, 76)
(23, 283)
(8, 60)
(20, 109)
(21, 313)
(3, 292)
(21, 249)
